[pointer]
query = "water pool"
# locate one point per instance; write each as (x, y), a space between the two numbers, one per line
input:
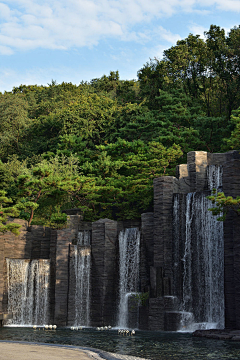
(145, 344)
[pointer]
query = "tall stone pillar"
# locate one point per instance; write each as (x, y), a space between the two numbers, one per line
(161, 274)
(231, 187)
(197, 162)
(63, 241)
(104, 279)
(164, 188)
(147, 250)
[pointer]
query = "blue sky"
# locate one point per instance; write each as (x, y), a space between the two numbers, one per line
(75, 40)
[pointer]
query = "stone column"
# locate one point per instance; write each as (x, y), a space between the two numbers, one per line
(104, 279)
(183, 178)
(197, 162)
(231, 187)
(164, 188)
(63, 242)
(147, 250)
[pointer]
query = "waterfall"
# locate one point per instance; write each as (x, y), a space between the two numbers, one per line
(187, 257)
(214, 176)
(202, 258)
(82, 266)
(28, 291)
(129, 253)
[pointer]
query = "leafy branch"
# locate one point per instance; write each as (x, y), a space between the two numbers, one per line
(7, 211)
(223, 204)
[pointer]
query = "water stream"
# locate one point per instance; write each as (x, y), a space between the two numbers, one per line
(129, 254)
(28, 291)
(202, 260)
(82, 267)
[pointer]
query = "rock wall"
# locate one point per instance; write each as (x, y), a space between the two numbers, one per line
(231, 187)
(160, 277)
(104, 280)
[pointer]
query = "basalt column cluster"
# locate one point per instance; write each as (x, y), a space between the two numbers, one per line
(176, 268)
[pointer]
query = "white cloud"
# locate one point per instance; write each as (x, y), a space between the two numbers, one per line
(168, 35)
(61, 24)
(197, 29)
(5, 50)
(226, 5)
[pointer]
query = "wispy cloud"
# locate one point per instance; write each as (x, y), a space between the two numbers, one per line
(197, 29)
(60, 24)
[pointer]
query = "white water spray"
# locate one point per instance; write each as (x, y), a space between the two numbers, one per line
(82, 266)
(28, 291)
(214, 176)
(129, 254)
(203, 261)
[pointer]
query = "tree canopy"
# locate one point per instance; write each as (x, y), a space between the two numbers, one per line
(99, 145)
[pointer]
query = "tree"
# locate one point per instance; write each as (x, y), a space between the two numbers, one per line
(124, 173)
(8, 211)
(223, 204)
(234, 140)
(13, 123)
(49, 186)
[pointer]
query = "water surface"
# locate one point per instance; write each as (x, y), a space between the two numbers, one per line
(145, 344)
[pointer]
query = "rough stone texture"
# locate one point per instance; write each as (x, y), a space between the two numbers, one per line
(156, 314)
(147, 251)
(172, 320)
(104, 280)
(127, 224)
(231, 187)
(160, 270)
(64, 239)
(197, 168)
(170, 303)
(133, 312)
(73, 212)
(178, 243)
(164, 188)
(71, 288)
(184, 179)
(144, 317)
(216, 158)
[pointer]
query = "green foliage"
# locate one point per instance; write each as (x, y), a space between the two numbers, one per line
(99, 145)
(124, 171)
(223, 204)
(13, 123)
(234, 141)
(51, 184)
(8, 211)
(142, 298)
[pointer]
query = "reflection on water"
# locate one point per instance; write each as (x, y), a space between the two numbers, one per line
(149, 345)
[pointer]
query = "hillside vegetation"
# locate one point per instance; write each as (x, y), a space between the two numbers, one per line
(97, 146)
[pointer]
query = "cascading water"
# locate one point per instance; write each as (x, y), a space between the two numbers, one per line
(214, 176)
(28, 291)
(82, 266)
(202, 261)
(129, 254)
